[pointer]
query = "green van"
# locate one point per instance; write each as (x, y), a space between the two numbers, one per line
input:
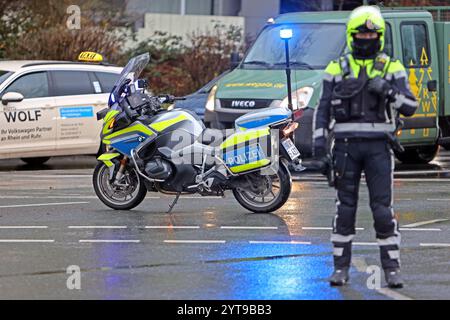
(413, 36)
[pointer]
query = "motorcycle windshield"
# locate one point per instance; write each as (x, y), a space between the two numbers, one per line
(132, 71)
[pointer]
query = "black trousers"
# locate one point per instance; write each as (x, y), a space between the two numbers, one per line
(376, 159)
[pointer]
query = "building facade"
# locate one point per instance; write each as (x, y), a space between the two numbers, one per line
(182, 17)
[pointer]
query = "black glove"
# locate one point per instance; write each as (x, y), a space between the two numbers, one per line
(381, 87)
(320, 160)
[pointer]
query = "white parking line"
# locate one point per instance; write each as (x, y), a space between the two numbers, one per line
(26, 241)
(200, 197)
(365, 243)
(49, 197)
(280, 242)
(324, 228)
(194, 241)
(435, 245)
(422, 223)
(420, 229)
(422, 180)
(172, 227)
(420, 172)
(56, 176)
(23, 227)
(97, 227)
(107, 241)
(248, 228)
(43, 204)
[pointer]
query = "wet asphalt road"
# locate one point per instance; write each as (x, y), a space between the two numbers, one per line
(208, 248)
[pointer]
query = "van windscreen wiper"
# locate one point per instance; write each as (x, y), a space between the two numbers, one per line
(296, 64)
(258, 62)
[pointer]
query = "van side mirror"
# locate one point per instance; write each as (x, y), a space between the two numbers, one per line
(432, 85)
(235, 59)
(11, 97)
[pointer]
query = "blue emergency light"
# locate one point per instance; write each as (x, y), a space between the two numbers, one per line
(286, 34)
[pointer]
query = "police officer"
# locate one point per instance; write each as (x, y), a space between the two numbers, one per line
(363, 92)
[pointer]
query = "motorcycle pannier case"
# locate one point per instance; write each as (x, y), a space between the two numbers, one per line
(248, 150)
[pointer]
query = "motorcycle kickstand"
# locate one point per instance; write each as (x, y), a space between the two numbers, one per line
(174, 202)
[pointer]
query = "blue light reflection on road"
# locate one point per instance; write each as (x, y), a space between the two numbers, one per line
(302, 276)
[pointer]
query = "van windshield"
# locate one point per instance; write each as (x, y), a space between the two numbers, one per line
(313, 46)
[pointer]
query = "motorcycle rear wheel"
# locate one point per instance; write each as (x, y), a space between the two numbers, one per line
(132, 189)
(278, 186)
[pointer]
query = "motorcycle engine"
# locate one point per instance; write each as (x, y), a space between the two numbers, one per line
(158, 169)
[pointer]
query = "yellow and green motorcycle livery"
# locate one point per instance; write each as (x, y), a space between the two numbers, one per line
(150, 149)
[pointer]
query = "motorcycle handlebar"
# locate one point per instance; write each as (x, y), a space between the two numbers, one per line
(167, 98)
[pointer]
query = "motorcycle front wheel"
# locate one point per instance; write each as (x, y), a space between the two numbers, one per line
(268, 193)
(125, 194)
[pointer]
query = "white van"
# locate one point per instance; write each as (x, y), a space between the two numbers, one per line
(49, 108)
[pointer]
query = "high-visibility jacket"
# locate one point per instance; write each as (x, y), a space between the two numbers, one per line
(363, 115)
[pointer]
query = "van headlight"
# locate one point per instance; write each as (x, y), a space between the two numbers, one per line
(211, 99)
(300, 98)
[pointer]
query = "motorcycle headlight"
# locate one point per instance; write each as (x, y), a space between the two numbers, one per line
(211, 99)
(171, 107)
(300, 98)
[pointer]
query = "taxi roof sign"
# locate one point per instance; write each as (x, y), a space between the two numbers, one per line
(89, 56)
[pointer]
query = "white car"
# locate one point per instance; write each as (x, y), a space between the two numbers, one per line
(49, 108)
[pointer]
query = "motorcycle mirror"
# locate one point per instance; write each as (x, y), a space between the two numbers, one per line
(141, 84)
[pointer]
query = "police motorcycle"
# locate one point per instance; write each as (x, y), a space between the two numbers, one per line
(151, 149)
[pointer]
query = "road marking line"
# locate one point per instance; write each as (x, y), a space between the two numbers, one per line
(435, 244)
(317, 198)
(422, 180)
(107, 241)
(97, 227)
(361, 266)
(420, 229)
(43, 204)
(196, 197)
(324, 228)
(48, 197)
(172, 227)
(400, 173)
(435, 199)
(422, 223)
(194, 241)
(25, 241)
(53, 176)
(248, 227)
(280, 242)
(365, 243)
(23, 227)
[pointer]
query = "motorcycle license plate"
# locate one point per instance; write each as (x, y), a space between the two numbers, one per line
(290, 148)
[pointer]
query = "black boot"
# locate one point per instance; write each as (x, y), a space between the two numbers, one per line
(339, 277)
(393, 278)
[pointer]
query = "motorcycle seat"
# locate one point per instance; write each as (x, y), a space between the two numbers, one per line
(214, 137)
